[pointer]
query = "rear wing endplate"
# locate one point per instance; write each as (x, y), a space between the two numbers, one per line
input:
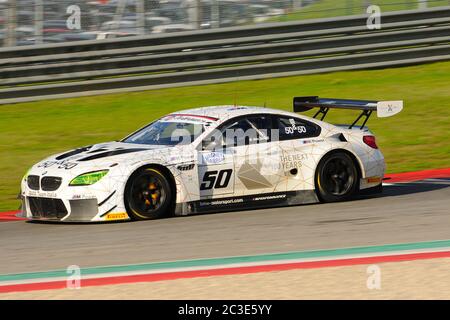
(383, 108)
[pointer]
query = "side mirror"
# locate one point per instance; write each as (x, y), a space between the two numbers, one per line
(208, 145)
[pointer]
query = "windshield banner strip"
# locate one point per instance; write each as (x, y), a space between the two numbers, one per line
(194, 116)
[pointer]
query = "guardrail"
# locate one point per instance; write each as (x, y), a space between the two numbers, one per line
(215, 56)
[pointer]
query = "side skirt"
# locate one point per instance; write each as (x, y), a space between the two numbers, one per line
(265, 200)
(373, 190)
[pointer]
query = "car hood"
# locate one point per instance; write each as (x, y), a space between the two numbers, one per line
(104, 155)
(103, 151)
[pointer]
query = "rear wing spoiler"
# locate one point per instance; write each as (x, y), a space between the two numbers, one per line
(383, 108)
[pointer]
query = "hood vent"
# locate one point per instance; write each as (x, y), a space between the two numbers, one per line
(97, 150)
(186, 167)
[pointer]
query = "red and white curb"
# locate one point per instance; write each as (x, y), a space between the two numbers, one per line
(417, 175)
(10, 216)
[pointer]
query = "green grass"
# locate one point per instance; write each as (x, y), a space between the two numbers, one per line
(337, 8)
(417, 138)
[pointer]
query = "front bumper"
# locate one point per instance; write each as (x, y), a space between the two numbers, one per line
(95, 203)
(53, 209)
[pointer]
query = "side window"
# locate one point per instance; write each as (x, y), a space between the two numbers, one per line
(241, 131)
(295, 128)
(246, 131)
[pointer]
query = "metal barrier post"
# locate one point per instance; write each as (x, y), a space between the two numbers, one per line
(38, 21)
(11, 21)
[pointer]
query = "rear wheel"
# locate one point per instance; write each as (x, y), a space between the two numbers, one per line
(148, 195)
(336, 177)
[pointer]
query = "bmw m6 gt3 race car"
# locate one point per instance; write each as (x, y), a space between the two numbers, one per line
(212, 159)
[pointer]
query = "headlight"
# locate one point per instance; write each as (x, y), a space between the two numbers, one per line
(89, 178)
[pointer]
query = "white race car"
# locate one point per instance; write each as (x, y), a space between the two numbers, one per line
(212, 159)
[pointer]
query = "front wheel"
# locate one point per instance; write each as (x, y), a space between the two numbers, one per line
(336, 177)
(148, 195)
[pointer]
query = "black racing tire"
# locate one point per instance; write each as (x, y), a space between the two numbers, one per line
(336, 177)
(148, 195)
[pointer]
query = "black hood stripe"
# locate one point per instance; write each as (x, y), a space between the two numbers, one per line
(112, 153)
(73, 152)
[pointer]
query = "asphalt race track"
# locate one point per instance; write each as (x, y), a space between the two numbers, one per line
(409, 212)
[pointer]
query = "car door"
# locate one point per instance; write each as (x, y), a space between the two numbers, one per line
(256, 156)
(243, 161)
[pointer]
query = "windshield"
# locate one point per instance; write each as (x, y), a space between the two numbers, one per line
(169, 131)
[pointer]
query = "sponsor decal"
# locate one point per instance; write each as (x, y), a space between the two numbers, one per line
(275, 197)
(291, 161)
(294, 128)
(221, 202)
(61, 164)
(312, 141)
(389, 108)
(214, 157)
(42, 194)
(47, 164)
(84, 197)
(254, 201)
(116, 216)
(67, 166)
(188, 118)
(245, 199)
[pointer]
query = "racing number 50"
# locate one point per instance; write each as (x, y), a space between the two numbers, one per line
(216, 179)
